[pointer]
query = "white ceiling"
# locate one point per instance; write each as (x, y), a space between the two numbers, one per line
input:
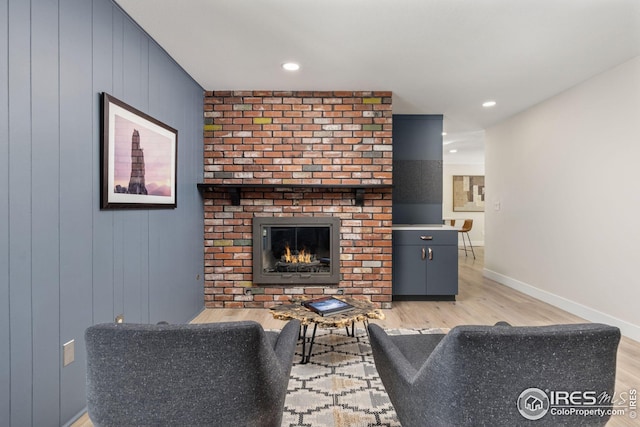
(437, 56)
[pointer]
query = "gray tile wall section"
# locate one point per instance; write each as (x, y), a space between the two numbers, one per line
(417, 169)
(64, 263)
(417, 181)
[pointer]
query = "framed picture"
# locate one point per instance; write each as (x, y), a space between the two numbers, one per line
(468, 193)
(138, 159)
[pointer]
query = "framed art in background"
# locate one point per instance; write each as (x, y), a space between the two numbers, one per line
(138, 159)
(468, 193)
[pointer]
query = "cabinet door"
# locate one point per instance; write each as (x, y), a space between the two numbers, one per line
(442, 270)
(409, 270)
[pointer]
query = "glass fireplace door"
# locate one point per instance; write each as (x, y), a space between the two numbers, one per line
(296, 250)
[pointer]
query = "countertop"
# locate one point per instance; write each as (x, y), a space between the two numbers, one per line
(431, 227)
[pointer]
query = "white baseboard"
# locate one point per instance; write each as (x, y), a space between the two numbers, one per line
(628, 329)
(475, 243)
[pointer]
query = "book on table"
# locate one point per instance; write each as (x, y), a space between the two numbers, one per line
(327, 306)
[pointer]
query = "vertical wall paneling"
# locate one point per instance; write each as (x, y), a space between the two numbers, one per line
(136, 222)
(20, 211)
(158, 265)
(45, 212)
(102, 248)
(117, 86)
(160, 232)
(64, 263)
(164, 230)
(76, 197)
(192, 220)
(143, 283)
(5, 360)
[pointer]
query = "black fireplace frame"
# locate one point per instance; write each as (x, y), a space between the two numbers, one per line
(261, 239)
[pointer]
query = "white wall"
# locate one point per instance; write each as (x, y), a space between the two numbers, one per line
(565, 173)
(448, 170)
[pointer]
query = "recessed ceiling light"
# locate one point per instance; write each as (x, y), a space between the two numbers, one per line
(291, 66)
(444, 134)
(453, 151)
(489, 104)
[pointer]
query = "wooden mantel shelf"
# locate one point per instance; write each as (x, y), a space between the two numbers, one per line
(234, 190)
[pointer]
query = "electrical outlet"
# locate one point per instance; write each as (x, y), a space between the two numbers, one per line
(68, 352)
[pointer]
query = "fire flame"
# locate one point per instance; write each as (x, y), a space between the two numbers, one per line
(303, 256)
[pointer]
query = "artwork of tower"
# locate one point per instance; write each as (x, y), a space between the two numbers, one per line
(136, 182)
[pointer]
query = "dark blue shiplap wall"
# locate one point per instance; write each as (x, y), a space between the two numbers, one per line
(64, 263)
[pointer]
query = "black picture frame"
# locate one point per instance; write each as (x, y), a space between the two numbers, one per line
(139, 159)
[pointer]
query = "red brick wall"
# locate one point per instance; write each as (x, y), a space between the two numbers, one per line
(324, 138)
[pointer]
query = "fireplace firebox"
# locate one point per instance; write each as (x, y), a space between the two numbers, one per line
(296, 250)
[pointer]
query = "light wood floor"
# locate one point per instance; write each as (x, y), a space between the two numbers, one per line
(481, 302)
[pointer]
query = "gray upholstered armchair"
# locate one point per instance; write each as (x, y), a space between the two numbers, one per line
(223, 374)
(477, 375)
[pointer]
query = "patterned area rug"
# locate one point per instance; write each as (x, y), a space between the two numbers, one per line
(340, 386)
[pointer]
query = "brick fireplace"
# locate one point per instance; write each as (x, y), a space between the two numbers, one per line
(296, 154)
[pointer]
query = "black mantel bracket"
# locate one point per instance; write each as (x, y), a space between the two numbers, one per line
(235, 190)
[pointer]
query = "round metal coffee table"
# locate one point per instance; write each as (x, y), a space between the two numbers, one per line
(363, 311)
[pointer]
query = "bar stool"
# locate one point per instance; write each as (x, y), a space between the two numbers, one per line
(466, 227)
